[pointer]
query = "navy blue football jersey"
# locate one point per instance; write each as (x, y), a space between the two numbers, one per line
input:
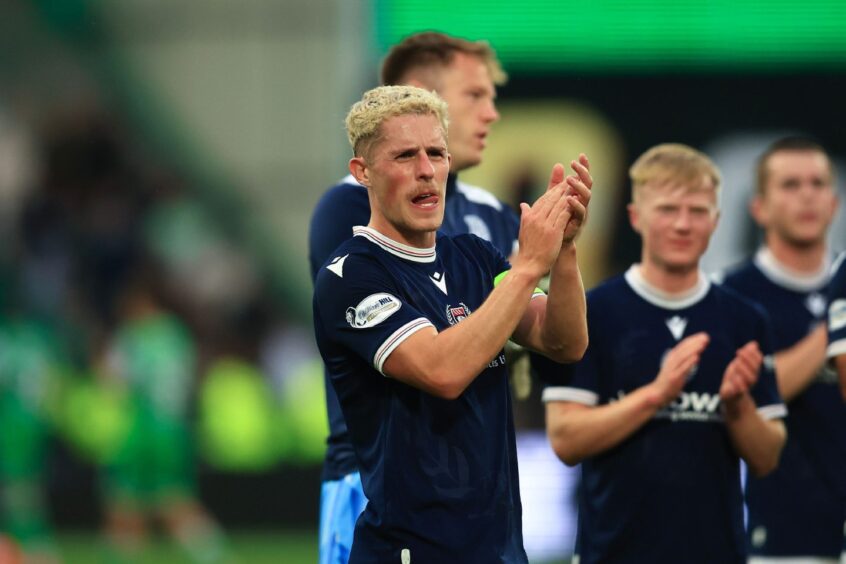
(837, 309)
(440, 475)
(468, 209)
(798, 509)
(671, 491)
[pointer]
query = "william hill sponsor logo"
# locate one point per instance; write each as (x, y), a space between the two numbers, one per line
(372, 310)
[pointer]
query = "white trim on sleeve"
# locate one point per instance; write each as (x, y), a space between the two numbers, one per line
(397, 337)
(791, 560)
(774, 411)
(836, 348)
(563, 393)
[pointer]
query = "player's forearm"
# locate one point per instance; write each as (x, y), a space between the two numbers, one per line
(757, 440)
(564, 334)
(578, 432)
(797, 366)
(455, 356)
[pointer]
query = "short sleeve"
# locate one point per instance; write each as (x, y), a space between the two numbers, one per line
(363, 309)
(339, 210)
(837, 313)
(577, 382)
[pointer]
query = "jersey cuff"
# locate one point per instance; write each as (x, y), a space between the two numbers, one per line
(397, 337)
(578, 395)
(774, 411)
(538, 293)
(836, 348)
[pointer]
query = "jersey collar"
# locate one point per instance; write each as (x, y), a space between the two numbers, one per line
(663, 299)
(769, 265)
(401, 250)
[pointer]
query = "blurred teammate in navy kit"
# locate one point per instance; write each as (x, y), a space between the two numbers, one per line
(798, 511)
(836, 351)
(411, 326)
(673, 390)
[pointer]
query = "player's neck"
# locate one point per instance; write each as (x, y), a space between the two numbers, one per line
(416, 239)
(806, 259)
(669, 280)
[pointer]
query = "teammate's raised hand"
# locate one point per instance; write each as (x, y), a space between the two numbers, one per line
(742, 372)
(578, 192)
(676, 367)
(542, 225)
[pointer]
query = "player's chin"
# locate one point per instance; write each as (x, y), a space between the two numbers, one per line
(431, 223)
(807, 235)
(682, 265)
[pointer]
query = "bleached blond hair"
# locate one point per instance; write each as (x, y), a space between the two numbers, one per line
(365, 118)
(673, 164)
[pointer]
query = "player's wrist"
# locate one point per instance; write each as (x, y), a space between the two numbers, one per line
(737, 406)
(529, 270)
(656, 396)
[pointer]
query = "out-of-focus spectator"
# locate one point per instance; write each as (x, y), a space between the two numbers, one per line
(29, 364)
(152, 355)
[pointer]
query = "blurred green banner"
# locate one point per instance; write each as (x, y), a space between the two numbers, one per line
(635, 35)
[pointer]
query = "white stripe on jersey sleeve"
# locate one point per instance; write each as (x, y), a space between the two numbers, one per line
(792, 560)
(836, 348)
(396, 338)
(774, 411)
(577, 395)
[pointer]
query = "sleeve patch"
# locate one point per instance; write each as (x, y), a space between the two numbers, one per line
(372, 310)
(837, 315)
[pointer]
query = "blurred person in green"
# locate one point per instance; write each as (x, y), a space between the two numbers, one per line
(29, 362)
(152, 356)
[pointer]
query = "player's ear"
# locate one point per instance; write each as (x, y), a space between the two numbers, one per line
(360, 170)
(634, 216)
(757, 210)
(416, 82)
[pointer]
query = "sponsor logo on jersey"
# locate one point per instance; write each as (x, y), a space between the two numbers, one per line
(700, 407)
(498, 361)
(372, 310)
(455, 314)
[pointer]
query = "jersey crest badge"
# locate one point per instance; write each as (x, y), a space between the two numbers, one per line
(456, 314)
